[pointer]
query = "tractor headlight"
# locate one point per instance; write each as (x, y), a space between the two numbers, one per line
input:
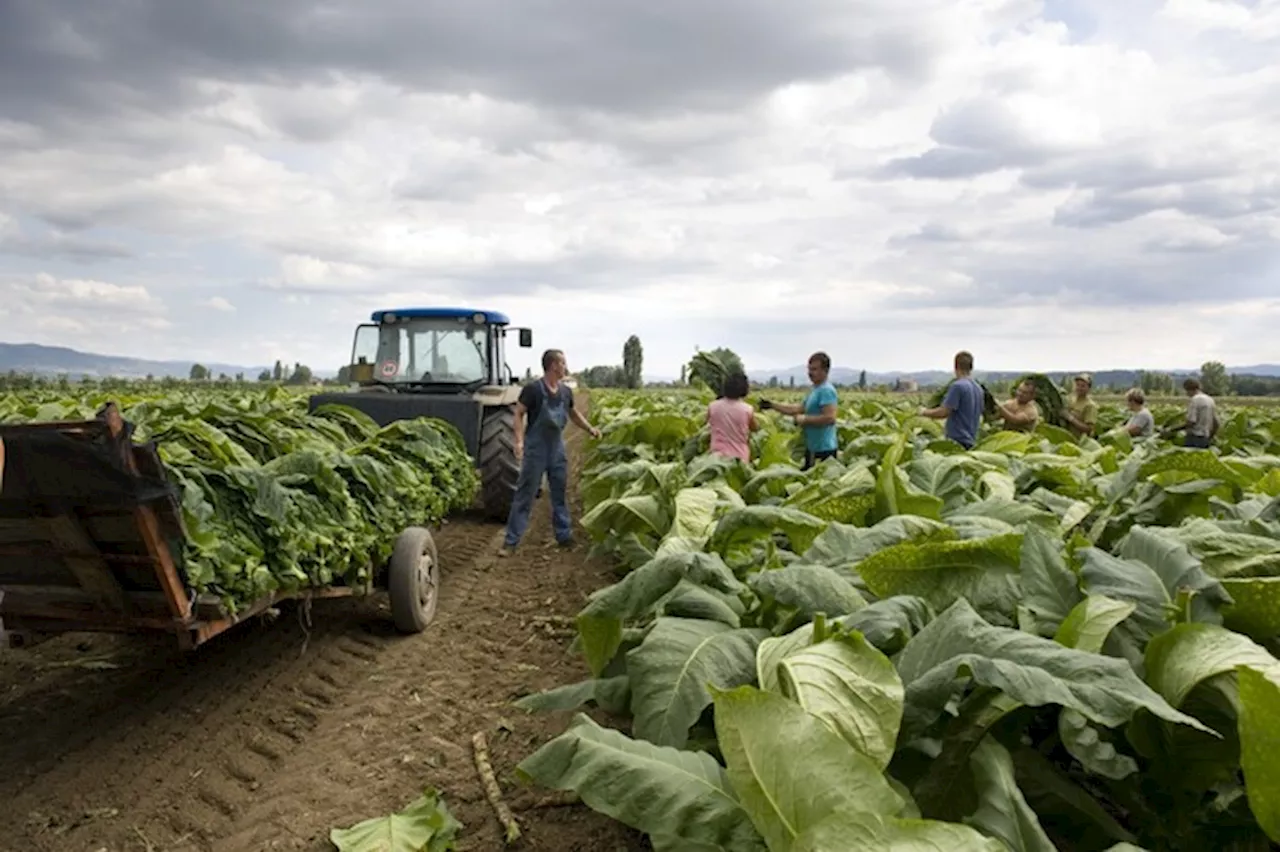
(477, 318)
(388, 317)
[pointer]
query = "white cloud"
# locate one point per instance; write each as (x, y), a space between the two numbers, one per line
(1077, 191)
(220, 303)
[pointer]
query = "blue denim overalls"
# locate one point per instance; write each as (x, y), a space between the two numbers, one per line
(543, 453)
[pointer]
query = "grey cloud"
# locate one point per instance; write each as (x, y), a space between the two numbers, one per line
(1069, 273)
(62, 245)
(66, 55)
(974, 137)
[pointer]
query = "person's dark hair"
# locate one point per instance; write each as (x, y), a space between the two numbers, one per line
(1191, 384)
(550, 357)
(736, 386)
(822, 359)
(964, 361)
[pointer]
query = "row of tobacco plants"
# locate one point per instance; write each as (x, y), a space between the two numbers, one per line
(1044, 643)
(274, 498)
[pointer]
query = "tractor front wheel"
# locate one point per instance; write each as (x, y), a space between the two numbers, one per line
(499, 470)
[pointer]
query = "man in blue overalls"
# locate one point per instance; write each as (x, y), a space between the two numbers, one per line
(539, 445)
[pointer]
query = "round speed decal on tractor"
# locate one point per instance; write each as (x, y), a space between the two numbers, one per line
(388, 369)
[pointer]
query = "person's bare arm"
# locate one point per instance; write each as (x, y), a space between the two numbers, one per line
(824, 418)
(790, 409)
(753, 424)
(1078, 425)
(576, 416)
(1133, 429)
(517, 432)
(939, 413)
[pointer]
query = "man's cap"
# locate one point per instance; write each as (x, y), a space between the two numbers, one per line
(1085, 377)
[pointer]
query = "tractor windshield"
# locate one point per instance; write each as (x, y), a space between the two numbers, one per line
(445, 351)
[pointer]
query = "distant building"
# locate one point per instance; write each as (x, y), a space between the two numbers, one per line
(906, 386)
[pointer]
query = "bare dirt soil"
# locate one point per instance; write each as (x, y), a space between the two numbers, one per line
(279, 730)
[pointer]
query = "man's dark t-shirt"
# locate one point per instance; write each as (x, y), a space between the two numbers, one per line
(532, 397)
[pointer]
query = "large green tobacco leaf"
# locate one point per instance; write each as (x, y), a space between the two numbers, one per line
(1029, 669)
(852, 687)
(638, 595)
(1089, 623)
(425, 825)
(1002, 811)
(1049, 588)
(790, 769)
(694, 513)
(1227, 553)
(1255, 609)
(895, 495)
(841, 545)
(641, 514)
(886, 624)
(658, 790)
(742, 526)
(1180, 659)
(1086, 629)
(808, 589)
(612, 693)
(983, 571)
(1150, 575)
(674, 668)
(853, 831)
(1259, 745)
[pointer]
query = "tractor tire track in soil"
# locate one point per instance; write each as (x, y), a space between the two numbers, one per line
(279, 730)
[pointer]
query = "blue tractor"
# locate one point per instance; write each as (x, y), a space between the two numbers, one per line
(448, 363)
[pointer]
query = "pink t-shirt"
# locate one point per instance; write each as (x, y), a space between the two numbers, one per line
(730, 421)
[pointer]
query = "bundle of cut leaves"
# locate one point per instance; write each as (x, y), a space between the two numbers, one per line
(326, 510)
(988, 401)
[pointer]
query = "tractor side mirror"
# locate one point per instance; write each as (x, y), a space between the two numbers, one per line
(526, 338)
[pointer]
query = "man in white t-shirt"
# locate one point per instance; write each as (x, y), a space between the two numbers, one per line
(1202, 418)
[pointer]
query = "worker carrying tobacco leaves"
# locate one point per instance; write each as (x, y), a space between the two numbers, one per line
(962, 404)
(1081, 412)
(1021, 414)
(547, 404)
(816, 415)
(1202, 423)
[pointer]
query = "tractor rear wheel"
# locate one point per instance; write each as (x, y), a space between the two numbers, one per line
(499, 470)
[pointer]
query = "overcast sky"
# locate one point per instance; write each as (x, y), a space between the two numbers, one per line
(1057, 184)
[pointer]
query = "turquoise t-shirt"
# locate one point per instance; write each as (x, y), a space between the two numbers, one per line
(820, 439)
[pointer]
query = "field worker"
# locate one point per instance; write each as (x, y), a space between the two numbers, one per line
(817, 414)
(731, 420)
(1081, 412)
(1021, 413)
(1141, 422)
(962, 406)
(539, 446)
(1202, 418)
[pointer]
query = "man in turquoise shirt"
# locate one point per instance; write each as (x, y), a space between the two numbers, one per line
(817, 414)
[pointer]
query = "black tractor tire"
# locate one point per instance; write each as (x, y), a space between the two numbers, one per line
(413, 580)
(499, 470)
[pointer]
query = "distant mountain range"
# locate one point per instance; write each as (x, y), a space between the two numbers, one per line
(934, 378)
(34, 359)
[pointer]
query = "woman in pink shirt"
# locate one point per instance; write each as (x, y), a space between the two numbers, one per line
(731, 420)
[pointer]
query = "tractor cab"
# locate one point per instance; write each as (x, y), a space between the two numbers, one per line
(434, 350)
(447, 363)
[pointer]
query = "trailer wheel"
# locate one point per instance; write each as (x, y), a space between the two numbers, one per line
(413, 580)
(499, 470)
